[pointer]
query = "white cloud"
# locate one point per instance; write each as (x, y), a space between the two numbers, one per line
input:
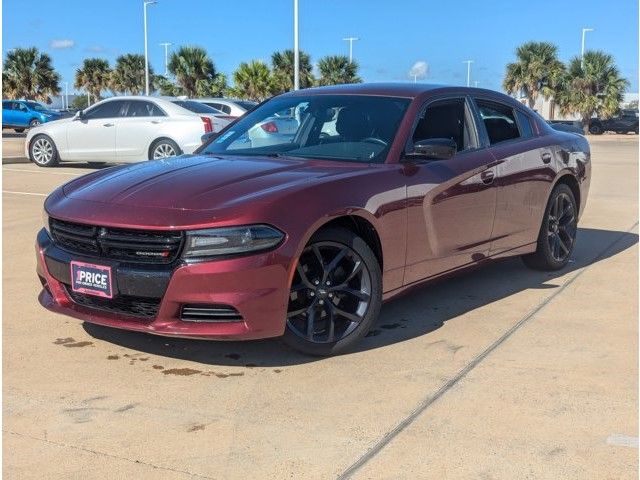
(95, 49)
(419, 69)
(62, 43)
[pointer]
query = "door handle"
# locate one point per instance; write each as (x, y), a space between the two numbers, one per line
(546, 157)
(155, 121)
(487, 177)
(107, 124)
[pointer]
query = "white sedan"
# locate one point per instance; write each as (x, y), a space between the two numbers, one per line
(118, 129)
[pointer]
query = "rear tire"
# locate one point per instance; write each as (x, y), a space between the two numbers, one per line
(596, 129)
(164, 148)
(43, 152)
(18, 130)
(334, 304)
(557, 236)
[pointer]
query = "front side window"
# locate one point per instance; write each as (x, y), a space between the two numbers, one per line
(112, 109)
(140, 108)
(499, 121)
(38, 107)
(446, 119)
(355, 128)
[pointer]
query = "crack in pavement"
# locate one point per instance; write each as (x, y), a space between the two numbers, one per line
(429, 400)
(109, 455)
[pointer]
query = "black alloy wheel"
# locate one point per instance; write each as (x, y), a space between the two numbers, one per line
(335, 295)
(557, 236)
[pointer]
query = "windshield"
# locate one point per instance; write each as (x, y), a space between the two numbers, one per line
(36, 106)
(355, 128)
(197, 107)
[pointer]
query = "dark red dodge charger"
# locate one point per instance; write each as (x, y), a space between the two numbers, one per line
(301, 217)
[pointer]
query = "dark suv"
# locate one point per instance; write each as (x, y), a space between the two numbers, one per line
(626, 121)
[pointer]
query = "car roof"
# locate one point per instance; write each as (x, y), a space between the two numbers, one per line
(166, 104)
(398, 89)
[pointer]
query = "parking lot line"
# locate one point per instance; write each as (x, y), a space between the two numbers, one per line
(428, 401)
(40, 171)
(25, 193)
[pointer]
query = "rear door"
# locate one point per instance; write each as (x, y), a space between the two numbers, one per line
(136, 130)
(22, 114)
(524, 173)
(93, 137)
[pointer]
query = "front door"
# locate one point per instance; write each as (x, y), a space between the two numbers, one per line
(451, 203)
(92, 137)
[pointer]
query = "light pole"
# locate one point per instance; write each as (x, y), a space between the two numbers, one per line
(146, 54)
(350, 40)
(296, 48)
(166, 46)
(468, 62)
(584, 31)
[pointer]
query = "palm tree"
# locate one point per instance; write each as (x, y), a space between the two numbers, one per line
(283, 68)
(28, 74)
(591, 86)
(128, 75)
(93, 76)
(252, 81)
(536, 71)
(192, 66)
(166, 86)
(337, 69)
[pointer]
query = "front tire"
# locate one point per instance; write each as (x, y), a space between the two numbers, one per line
(43, 152)
(557, 236)
(34, 123)
(336, 294)
(163, 148)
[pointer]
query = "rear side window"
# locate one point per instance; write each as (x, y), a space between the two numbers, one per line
(139, 108)
(112, 109)
(499, 121)
(524, 122)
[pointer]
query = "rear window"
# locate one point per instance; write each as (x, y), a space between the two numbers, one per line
(197, 107)
(246, 104)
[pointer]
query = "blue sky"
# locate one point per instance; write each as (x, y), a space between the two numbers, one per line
(394, 35)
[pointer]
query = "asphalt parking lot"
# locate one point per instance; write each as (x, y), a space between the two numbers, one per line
(504, 373)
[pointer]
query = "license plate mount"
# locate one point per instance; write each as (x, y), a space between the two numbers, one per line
(91, 279)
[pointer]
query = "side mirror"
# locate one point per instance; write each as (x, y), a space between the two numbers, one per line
(79, 114)
(208, 136)
(433, 149)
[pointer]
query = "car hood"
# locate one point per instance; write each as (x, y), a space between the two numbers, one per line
(201, 182)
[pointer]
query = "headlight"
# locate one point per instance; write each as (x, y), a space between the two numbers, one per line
(215, 242)
(45, 221)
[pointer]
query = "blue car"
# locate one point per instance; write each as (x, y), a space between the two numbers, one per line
(21, 114)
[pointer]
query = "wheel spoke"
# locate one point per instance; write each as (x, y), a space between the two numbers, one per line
(364, 296)
(316, 251)
(562, 246)
(295, 313)
(303, 276)
(311, 318)
(349, 316)
(334, 263)
(331, 334)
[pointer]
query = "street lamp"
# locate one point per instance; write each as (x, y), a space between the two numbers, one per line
(350, 40)
(146, 54)
(296, 48)
(166, 46)
(468, 62)
(584, 31)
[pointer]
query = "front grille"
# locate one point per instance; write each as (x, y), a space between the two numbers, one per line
(140, 307)
(209, 313)
(142, 246)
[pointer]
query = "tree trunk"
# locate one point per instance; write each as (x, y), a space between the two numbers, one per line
(586, 122)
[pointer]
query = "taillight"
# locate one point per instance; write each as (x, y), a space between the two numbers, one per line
(269, 127)
(208, 127)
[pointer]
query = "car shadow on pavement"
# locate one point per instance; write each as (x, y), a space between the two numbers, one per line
(415, 314)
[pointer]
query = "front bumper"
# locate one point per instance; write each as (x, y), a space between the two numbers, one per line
(257, 286)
